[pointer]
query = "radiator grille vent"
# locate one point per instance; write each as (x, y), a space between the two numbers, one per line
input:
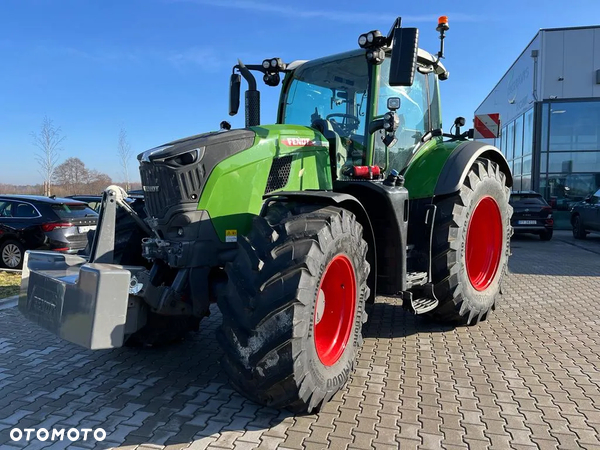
(279, 174)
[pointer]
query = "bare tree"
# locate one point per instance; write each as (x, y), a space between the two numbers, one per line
(48, 141)
(124, 152)
(98, 182)
(72, 176)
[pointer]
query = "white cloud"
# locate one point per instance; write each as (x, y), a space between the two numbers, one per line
(206, 58)
(338, 16)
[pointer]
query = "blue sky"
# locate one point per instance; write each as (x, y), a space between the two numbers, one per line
(160, 68)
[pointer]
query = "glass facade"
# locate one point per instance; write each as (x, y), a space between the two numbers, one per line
(516, 144)
(569, 152)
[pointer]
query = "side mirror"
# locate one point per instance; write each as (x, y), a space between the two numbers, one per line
(235, 83)
(404, 56)
(588, 198)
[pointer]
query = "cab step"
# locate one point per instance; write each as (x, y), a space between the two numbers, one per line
(423, 305)
(416, 279)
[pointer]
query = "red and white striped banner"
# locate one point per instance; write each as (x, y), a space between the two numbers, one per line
(487, 126)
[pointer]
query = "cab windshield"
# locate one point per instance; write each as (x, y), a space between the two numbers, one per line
(334, 90)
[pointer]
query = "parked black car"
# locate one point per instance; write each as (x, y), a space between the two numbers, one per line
(585, 216)
(532, 214)
(93, 201)
(29, 222)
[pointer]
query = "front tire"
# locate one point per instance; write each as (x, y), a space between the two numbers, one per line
(294, 306)
(471, 245)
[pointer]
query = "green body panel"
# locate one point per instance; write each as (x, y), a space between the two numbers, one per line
(234, 190)
(422, 173)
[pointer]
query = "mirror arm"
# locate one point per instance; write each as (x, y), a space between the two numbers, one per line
(375, 126)
(247, 75)
(390, 36)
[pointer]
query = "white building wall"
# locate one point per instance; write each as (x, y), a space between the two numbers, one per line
(514, 93)
(564, 69)
(569, 62)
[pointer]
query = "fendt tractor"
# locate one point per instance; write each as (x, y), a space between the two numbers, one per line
(293, 228)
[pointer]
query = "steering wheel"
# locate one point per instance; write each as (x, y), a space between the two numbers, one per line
(348, 124)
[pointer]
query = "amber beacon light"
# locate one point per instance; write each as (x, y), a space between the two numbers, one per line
(443, 24)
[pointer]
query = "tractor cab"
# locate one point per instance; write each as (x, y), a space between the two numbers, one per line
(334, 96)
(345, 97)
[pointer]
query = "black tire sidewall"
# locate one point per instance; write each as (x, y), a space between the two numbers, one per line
(334, 377)
(475, 301)
(21, 249)
(578, 229)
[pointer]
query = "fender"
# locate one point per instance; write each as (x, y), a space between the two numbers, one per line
(345, 201)
(460, 161)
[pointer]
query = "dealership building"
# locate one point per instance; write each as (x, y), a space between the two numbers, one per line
(549, 106)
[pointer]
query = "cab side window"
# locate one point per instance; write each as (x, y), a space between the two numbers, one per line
(595, 200)
(414, 115)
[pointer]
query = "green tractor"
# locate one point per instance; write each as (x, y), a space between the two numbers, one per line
(293, 228)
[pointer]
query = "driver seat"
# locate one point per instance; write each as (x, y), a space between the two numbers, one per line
(338, 154)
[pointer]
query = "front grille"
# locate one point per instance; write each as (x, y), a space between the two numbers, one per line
(279, 174)
(161, 188)
(165, 186)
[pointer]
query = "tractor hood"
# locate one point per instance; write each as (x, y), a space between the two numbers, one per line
(202, 143)
(176, 173)
(174, 176)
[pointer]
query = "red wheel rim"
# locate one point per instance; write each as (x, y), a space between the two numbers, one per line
(334, 310)
(484, 243)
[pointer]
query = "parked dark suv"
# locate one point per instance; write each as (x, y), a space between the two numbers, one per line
(531, 214)
(29, 222)
(585, 216)
(93, 201)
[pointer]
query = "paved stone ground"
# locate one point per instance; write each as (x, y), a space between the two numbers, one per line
(527, 378)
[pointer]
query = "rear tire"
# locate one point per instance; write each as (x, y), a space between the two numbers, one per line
(12, 254)
(471, 245)
(546, 235)
(294, 306)
(578, 229)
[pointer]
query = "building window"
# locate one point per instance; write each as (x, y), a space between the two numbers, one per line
(518, 137)
(570, 152)
(527, 164)
(562, 190)
(510, 141)
(517, 167)
(573, 161)
(574, 126)
(526, 182)
(528, 133)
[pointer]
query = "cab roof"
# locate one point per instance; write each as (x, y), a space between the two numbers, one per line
(423, 57)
